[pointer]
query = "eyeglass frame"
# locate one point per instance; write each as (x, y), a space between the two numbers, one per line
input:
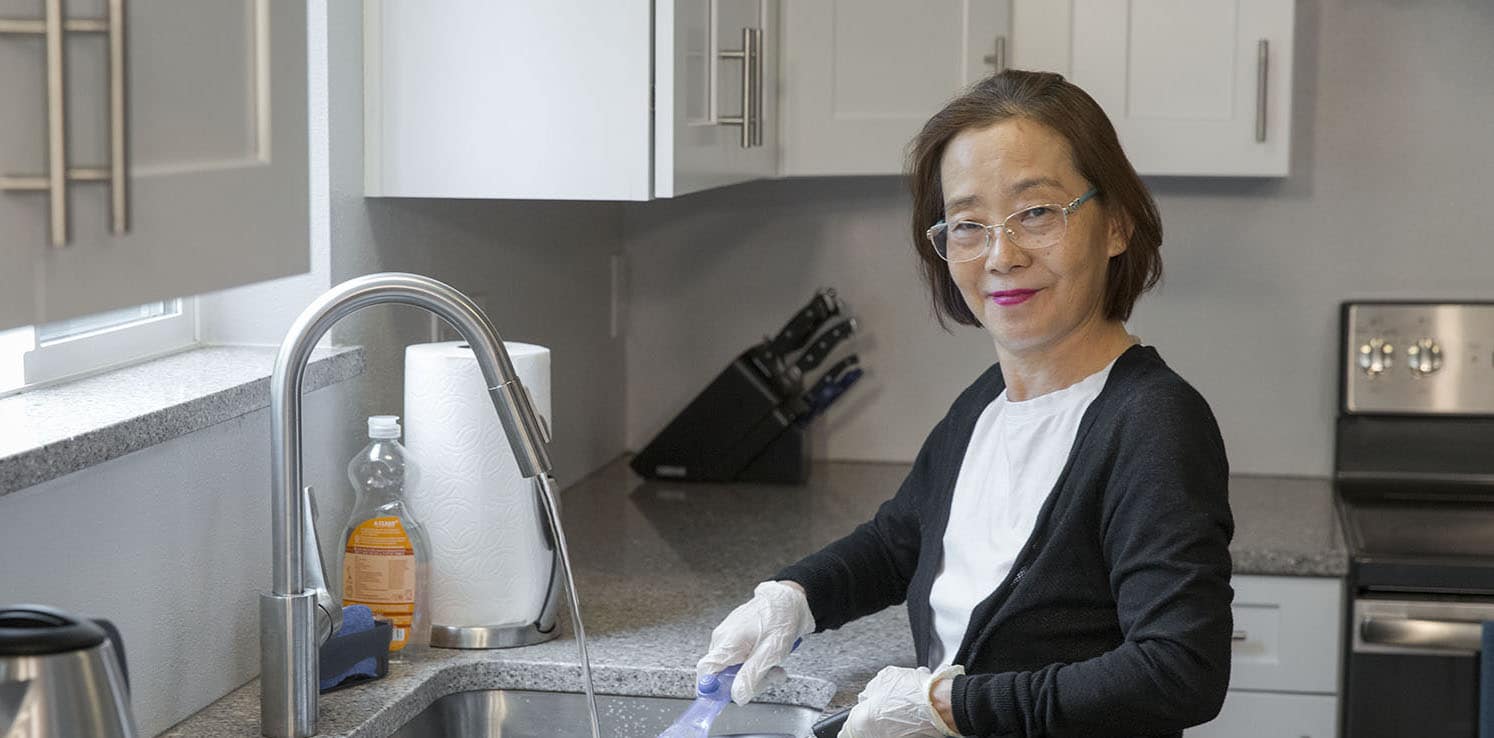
(1067, 210)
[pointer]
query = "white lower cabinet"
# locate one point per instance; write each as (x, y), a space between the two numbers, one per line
(1285, 662)
(1272, 715)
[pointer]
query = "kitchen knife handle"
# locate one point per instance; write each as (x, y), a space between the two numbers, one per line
(832, 375)
(818, 350)
(830, 727)
(823, 306)
(832, 378)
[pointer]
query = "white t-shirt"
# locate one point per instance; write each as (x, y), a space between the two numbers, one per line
(1014, 458)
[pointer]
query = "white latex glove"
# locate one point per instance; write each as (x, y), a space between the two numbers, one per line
(896, 704)
(758, 635)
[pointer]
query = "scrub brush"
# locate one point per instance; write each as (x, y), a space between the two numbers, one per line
(712, 694)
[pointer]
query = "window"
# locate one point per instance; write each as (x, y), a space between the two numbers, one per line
(34, 355)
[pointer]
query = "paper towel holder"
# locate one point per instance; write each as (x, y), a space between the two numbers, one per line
(512, 636)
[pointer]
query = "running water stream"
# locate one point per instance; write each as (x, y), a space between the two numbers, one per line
(552, 512)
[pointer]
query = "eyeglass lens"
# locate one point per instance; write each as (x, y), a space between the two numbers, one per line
(1036, 227)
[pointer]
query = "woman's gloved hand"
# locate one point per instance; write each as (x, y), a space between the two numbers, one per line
(896, 704)
(758, 635)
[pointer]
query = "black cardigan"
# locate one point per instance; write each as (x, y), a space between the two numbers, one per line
(1115, 620)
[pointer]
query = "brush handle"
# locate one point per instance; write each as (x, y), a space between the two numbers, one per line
(829, 727)
(709, 683)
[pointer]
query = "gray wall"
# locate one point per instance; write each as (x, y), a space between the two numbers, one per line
(1391, 161)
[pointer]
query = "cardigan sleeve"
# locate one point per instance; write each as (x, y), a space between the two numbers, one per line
(1165, 533)
(869, 569)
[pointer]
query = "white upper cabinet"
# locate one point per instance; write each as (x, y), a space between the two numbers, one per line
(567, 99)
(860, 77)
(1194, 87)
(186, 174)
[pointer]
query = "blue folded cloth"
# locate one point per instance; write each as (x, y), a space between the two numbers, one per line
(1486, 683)
(355, 619)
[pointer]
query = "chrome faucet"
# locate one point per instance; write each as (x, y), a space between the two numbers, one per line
(298, 613)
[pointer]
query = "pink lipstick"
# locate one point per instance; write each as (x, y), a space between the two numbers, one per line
(1010, 297)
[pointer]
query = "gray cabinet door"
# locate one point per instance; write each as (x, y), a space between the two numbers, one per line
(216, 119)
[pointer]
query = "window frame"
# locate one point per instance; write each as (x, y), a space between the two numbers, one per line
(97, 351)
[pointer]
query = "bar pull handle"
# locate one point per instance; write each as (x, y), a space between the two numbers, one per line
(1262, 64)
(119, 182)
(745, 120)
(998, 59)
(53, 29)
(1238, 636)
(759, 85)
(1415, 633)
(56, 126)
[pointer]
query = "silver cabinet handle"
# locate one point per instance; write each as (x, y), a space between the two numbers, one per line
(1262, 62)
(998, 59)
(56, 125)
(54, 182)
(750, 61)
(1416, 633)
(759, 74)
(1239, 635)
(119, 200)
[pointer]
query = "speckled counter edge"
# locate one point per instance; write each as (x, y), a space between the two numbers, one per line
(1267, 562)
(78, 424)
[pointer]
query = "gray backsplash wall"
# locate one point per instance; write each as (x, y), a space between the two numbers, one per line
(541, 270)
(1391, 162)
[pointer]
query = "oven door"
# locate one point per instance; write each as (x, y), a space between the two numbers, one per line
(1413, 667)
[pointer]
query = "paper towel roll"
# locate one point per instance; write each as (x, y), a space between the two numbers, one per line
(489, 564)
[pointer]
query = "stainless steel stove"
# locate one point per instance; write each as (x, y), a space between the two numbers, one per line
(1414, 471)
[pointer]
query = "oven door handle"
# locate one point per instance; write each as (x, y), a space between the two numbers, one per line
(1415, 633)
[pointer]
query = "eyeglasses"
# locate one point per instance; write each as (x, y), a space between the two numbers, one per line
(1030, 229)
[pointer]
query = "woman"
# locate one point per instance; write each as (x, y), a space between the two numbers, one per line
(1062, 539)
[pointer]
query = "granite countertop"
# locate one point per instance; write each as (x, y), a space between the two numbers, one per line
(55, 430)
(658, 565)
(1286, 526)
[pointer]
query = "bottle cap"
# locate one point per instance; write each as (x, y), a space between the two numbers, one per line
(708, 684)
(383, 426)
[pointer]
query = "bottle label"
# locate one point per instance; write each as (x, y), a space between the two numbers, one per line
(378, 570)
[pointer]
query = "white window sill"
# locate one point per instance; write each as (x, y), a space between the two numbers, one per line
(52, 431)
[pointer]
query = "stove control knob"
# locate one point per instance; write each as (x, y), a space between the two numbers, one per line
(1376, 356)
(1424, 356)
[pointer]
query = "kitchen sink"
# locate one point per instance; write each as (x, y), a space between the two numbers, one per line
(507, 713)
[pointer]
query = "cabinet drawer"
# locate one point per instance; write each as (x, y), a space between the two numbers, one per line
(1272, 715)
(1287, 634)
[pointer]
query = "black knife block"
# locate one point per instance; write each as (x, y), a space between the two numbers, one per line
(739, 428)
(784, 461)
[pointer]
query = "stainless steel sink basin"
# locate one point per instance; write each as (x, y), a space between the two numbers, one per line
(503, 713)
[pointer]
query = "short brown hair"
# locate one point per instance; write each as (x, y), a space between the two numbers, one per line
(1049, 99)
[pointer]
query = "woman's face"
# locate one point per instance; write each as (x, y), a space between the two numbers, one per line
(990, 173)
